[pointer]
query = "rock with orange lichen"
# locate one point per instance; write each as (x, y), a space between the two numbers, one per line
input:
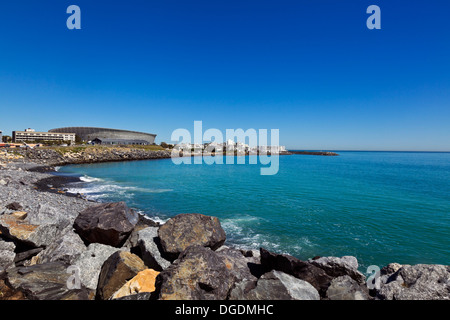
(120, 267)
(13, 227)
(144, 281)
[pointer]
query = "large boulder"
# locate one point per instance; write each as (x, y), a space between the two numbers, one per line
(303, 270)
(242, 268)
(30, 234)
(120, 267)
(185, 230)
(275, 285)
(139, 287)
(149, 244)
(337, 267)
(418, 282)
(47, 281)
(106, 223)
(198, 274)
(90, 262)
(346, 288)
(66, 248)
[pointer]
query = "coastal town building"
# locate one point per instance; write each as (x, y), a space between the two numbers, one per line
(32, 135)
(230, 146)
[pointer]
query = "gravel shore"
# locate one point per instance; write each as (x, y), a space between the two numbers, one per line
(24, 182)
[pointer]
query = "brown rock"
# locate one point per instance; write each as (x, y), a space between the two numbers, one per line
(144, 281)
(7, 293)
(119, 268)
(31, 234)
(185, 230)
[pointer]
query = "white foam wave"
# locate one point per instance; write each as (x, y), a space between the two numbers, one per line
(86, 178)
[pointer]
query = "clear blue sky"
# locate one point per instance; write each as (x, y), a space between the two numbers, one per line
(308, 68)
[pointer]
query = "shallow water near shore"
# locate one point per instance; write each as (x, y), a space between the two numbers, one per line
(381, 207)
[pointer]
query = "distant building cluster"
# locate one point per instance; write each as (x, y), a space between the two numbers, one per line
(92, 135)
(230, 146)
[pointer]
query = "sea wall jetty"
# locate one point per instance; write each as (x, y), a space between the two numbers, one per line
(315, 153)
(58, 156)
(55, 247)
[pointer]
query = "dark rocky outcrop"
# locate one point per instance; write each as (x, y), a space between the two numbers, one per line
(198, 274)
(303, 270)
(106, 223)
(120, 267)
(185, 230)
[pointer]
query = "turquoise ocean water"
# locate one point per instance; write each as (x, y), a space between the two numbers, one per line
(381, 207)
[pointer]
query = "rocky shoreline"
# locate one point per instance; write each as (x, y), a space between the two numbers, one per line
(55, 247)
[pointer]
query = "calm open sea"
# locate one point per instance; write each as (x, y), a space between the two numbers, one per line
(381, 207)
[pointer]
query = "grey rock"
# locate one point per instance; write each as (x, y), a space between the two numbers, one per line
(45, 282)
(148, 241)
(336, 267)
(7, 254)
(275, 285)
(303, 270)
(185, 230)
(47, 214)
(66, 248)
(346, 288)
(198, 274)
(90, 262)
(418, 282)
(106, 223)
